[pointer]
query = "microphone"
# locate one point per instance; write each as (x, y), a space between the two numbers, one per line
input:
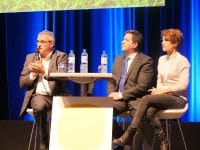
(38, 57)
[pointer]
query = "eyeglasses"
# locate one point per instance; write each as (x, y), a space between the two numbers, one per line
(43, 42)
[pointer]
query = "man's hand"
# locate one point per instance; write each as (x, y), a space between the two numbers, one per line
(36, 67)
(116, 95)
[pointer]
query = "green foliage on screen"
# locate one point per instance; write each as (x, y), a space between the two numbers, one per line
(44, 5)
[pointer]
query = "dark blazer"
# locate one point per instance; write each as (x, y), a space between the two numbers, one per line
(57, 87)
(139, 77)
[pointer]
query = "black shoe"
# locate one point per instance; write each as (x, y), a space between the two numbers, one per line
(43, 147)
(44, 144)
(117, 147)
(126, 138)
(118, 141)
(123, 140)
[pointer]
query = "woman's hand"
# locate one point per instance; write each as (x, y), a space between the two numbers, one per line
(156, 91)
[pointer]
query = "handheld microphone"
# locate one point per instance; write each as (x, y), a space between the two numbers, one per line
(38, 57)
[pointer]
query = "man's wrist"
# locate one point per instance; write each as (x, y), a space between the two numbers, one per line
(33, 75)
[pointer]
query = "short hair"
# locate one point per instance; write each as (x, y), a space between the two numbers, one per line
(49, 33)
(136, 36)
(175, 36)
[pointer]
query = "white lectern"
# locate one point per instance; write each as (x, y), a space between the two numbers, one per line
(81, 123)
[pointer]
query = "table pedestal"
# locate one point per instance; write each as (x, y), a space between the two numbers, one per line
(81, 123)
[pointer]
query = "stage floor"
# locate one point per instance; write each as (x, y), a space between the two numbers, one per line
(14, 135)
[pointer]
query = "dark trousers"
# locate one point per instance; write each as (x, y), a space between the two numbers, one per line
(149, 105)
(41, 104)
(153, 103)
(120, 107)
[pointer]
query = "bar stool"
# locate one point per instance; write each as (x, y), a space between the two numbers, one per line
(167, 114)
(173, 114)
(34, 128)
(30, 111)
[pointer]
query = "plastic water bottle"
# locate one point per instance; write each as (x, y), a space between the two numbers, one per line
(104, 62)
(71, 62)
(84, 62)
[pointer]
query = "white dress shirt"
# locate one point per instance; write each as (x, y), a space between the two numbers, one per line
(42, 85)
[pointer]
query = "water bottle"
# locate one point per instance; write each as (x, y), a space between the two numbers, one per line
(104, 62)
(84, 62)
(71, 62)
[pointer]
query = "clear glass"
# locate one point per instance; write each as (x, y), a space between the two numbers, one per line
(62, 67)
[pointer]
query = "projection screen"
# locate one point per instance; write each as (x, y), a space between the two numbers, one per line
(50, 5)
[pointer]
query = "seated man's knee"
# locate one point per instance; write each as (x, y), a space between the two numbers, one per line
(38, 106)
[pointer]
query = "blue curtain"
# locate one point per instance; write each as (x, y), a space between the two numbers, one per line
(194, 112)
(95, 30)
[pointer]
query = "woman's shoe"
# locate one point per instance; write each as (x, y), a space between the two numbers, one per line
(126, 138)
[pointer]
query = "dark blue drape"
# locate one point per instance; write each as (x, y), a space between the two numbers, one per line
(95, 30)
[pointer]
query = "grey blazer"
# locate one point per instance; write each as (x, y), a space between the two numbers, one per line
(57, 87)
(139, 77)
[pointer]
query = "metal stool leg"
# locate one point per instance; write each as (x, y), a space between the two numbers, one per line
(31, 137)
(35, 143)
(168, 128)
(34, 131)
(168, 132)
(179, 125)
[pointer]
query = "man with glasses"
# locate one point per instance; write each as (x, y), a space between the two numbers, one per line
(40, 92)
(133, 73)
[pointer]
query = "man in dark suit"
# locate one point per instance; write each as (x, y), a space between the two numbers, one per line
(40, 91)
(133, 72)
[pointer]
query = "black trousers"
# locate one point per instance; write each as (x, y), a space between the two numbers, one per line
(150, 104)
(120, 107)
(41, 104)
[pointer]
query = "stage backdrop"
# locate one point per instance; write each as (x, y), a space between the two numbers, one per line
(96, 30)
(44, 5)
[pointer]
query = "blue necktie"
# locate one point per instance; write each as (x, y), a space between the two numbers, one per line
(123, 75)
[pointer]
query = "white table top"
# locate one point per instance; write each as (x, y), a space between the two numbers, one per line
(80, 77)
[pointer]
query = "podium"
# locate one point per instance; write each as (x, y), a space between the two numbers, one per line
(81, 123)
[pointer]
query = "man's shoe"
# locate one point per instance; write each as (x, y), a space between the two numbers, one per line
(117, 147)
(119, 141)
(43, 147)
(123, 140)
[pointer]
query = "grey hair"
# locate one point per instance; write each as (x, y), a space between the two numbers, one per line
(49, 33)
